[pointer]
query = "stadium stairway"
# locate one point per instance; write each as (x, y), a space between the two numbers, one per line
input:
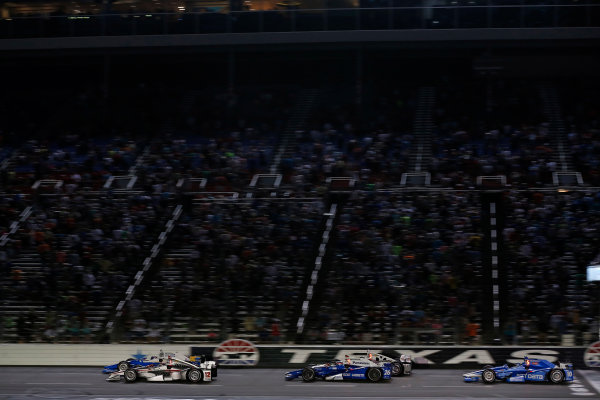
(552, 111)
(143, 158)
(296, 122)
(315, 282)
(420, 155)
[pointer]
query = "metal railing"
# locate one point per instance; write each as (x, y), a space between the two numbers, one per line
(304, 20)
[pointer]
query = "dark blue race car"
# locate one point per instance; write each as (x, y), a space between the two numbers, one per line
(530, 370)
(337, 370)
(131, 363)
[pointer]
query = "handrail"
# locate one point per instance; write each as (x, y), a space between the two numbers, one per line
(311, 10)
(302, 20)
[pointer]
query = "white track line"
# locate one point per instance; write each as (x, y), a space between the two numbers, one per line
(593, 382)
(321, 386)
(448, 386)
(58, 383)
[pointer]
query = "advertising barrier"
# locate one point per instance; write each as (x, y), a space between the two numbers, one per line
(459, 357)
(240, 353)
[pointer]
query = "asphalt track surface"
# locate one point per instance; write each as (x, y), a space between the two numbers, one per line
(19, 383)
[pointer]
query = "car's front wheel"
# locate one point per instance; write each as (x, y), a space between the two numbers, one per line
(123, 366)
(374, 374)
(488, 376)
(397, 369)
(556, 375)
(194, 375)
(130, 375)
(308, 374)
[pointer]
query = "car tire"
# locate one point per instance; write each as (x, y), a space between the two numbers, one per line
(374, 374)
(194, 375)
(488, 376)
(130, 375)
(123, 366)
(308, 374)
(556, 375)
(397, 369)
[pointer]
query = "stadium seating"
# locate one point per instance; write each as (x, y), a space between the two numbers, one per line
(80, 213)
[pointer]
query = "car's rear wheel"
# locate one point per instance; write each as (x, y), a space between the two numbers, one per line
(130, 375)
(308, 374)
(556, 375)
(194, 375)
(397, 369)
(488, 376)
(123, 366)
(374, 374)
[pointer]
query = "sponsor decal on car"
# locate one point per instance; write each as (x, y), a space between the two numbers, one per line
(353, 375)
(535, 377)
(238, 352)
(568, 373)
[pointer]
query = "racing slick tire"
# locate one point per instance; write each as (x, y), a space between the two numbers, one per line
(488, 376)
(123, 366)
(374, 374)
(194, 375)
(308, 374)
(130, 375)
(556, 375)
(397, 369)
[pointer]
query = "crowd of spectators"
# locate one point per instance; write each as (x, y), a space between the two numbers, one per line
(403, 263)
(582, 125)
(241, 272)
(74, 257)
(370, 144)
(400, 261)
(549, 239)
(505, 134)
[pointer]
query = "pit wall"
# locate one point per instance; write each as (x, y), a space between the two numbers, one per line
(241, 353)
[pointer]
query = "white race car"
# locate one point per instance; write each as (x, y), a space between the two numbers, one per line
(400, 366)
(171, 369)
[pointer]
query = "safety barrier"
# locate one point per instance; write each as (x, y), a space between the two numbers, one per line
(241, 353)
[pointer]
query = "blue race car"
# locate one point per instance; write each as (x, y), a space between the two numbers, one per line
(131, 363)
(337, 370)
(530, 370)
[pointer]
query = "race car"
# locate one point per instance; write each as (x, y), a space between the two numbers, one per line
(170, 369)
(337, 370)
(400, 366)
(131, 363)
(530, 370)
(149, 362)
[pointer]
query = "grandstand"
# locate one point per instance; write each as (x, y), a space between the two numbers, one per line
(381, 174)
